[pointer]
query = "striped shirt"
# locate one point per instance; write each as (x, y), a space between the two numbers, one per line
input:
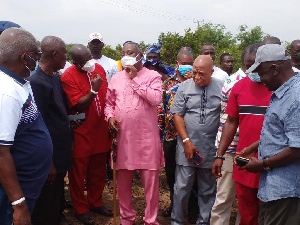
(223, 116)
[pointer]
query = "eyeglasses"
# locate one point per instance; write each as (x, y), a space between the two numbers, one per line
(37, 54)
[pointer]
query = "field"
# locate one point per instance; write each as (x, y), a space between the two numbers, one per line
(138, 203)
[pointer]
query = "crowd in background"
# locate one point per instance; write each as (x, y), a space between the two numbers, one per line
(220, 135)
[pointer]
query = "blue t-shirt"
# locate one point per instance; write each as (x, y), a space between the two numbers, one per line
(22, 127)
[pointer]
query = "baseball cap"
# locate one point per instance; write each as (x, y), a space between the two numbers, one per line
(94, 36)
(7, 24)
(269, 53)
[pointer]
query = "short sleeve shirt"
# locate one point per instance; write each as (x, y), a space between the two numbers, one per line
(281, 130)
(109, 65)
(22, 127)
(200, 108)
(228, 85)
(248, 101)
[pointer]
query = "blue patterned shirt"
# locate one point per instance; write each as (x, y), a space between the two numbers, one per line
(281, 130)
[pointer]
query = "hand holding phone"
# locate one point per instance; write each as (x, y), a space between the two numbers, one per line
(240, 161)
(80, 116)
(197, 158)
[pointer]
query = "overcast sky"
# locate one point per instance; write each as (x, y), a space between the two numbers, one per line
(143, 20)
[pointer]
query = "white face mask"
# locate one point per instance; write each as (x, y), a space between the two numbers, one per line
(89, 66)
(129, 61)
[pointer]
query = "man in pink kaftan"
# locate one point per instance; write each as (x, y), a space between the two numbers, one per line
(132, 97)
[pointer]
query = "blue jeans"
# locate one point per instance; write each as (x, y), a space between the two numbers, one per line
(6, 210)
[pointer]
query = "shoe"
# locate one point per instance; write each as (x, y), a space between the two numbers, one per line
(103, 211)
(68, 204)
(192, 218)
(64, 221)
(167, 212)
(85, 218)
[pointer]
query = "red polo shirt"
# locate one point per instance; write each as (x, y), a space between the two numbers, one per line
(248, 101)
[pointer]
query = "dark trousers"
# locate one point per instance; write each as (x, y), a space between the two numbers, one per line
(284, 211)
(170, 167)
(48, 207)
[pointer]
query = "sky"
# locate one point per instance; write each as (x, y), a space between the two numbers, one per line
(141, 20)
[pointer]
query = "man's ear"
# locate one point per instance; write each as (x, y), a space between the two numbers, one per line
(54, 54)
(275, 69)
(23, 60)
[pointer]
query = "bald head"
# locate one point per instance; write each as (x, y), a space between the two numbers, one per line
(208, 50)
(202, 70)
(295, 43)
(14, 41)
(204, 61)
(50, 44)
(271, 40)
(80, 54)
(54, 54)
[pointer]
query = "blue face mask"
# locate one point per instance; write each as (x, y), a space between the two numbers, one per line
(254, 77)
(183, 68)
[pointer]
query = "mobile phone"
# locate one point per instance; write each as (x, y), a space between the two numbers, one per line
(197, 158)
(240, 161)
(80, 116)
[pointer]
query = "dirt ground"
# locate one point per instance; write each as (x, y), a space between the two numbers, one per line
(138, 203)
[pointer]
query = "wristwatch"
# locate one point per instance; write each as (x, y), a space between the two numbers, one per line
(265, 166)
(219, 157)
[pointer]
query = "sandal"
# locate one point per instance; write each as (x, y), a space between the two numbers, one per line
(103, 211)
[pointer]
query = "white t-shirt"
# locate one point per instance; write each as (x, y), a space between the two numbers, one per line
(220, 74)
(109, 65)
(66, 67)
(295, 69)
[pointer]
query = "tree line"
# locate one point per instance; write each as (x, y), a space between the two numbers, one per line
(207, 33)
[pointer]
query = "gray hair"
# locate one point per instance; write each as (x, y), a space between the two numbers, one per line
(13, 42)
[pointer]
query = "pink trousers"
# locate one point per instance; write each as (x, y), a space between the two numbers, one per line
(150, 180)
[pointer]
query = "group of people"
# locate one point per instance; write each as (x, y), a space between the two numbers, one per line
(193, 120)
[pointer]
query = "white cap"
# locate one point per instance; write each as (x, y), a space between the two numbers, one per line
(94, 36)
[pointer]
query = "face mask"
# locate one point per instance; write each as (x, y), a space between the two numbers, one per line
(89, 66)
(35, 64)
(129, 61)
(35, 69)
(254, 77)
(183, 68)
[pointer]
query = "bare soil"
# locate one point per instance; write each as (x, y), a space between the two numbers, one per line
(138, 203)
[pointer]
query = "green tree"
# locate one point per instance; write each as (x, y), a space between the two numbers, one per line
(247, 37)
(69, 46)
(204, 34)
